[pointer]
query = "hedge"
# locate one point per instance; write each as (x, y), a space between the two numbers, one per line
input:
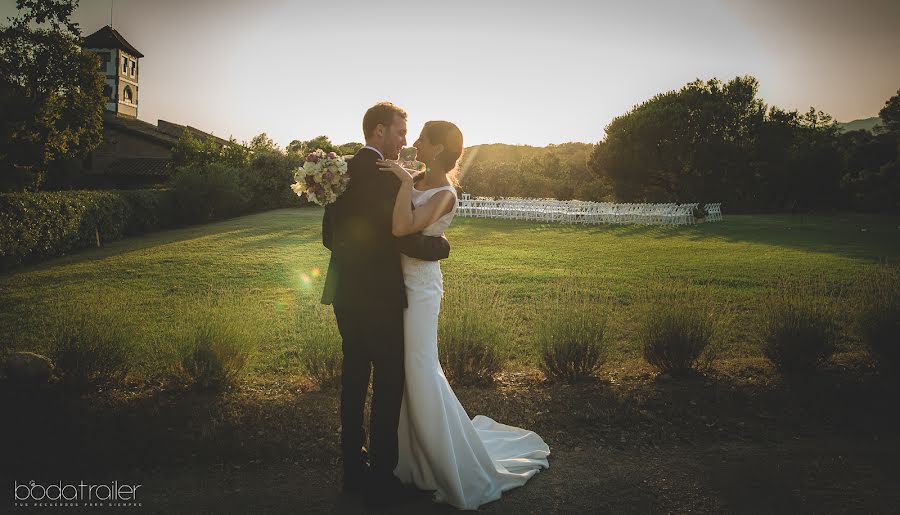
(38, 226)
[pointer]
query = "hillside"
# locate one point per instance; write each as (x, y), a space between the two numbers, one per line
(501, 152)
(867, 124)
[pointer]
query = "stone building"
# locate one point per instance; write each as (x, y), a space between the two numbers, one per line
(119, 66)
(134, 153)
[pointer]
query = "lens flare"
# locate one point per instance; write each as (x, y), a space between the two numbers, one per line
(316, 272)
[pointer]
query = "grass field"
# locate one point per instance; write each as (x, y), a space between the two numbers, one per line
(266, 272)
(740, 439)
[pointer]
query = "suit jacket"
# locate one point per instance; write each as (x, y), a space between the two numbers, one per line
(364, 269)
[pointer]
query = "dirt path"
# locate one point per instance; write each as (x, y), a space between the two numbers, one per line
(822, 476)
(735, 442)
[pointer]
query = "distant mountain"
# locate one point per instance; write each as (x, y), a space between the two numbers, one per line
(500, 152)
(867, 124)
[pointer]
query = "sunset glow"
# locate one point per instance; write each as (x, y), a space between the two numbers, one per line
(513, 72)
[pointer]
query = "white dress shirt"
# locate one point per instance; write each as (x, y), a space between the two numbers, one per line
(376, 150)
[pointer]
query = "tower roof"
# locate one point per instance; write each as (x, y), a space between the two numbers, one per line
(108, 37)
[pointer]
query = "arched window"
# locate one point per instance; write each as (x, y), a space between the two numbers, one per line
(107, 91)
(129, 97)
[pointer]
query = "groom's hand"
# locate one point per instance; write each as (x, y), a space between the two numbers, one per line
(426, 248)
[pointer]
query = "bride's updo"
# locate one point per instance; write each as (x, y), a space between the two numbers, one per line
(444, 133)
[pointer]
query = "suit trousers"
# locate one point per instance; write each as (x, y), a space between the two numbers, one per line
(372, 343)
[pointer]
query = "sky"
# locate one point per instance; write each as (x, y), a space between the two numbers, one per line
(517, 72)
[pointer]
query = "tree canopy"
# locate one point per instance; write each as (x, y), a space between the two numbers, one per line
(51, 95)
(716, 141)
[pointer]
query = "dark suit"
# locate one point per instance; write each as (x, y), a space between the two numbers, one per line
(364, 283)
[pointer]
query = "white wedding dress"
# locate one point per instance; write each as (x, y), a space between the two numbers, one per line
(466, 462)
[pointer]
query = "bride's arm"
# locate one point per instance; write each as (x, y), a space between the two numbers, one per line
(405, 220)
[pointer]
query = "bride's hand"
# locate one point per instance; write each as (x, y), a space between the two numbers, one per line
(394, 167)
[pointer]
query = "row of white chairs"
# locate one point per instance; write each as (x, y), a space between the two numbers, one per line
(584, 212)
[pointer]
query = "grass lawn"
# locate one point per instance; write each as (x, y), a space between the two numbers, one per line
(738, 440)
(266, 272)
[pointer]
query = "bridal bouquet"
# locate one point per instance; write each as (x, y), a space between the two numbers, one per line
(323, 177)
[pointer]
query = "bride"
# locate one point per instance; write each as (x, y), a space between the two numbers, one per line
(467, 462)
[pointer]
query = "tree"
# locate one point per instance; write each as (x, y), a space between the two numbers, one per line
(871, 178)
(684, 145)
(296, 147)
(302, 148)
(349, 149)
(714, 141)
(815, 161)
(890, 114)
(639, 155)
(305, 147)
(555, 171)
(193, 152)
(234, 154)
(51, 95)
(54, 12)
(263, 143)
(266, 178)
(493, 179)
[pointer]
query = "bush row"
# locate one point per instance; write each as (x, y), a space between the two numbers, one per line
(216, 190)
(37, 226)
(40, 225)
(96, 344)
(678, 332)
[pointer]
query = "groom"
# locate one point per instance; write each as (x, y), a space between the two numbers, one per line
(365, 286)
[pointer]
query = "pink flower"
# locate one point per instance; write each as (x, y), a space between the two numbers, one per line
(332, 155)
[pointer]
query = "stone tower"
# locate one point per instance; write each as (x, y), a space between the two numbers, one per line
(119, 66)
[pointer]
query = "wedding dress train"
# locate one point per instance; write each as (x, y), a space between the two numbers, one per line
(467, 462)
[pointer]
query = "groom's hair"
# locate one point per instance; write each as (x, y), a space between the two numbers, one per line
(383, 113)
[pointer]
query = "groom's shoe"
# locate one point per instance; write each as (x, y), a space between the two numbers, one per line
(355, 476)
(388, 492)
(353, 485)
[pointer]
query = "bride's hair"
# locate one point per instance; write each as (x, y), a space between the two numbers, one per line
(440, 132)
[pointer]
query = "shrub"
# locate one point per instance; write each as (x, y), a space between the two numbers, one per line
(149, 210)
(878, 314)
(88, 348)
(37, 226)
(674, 336)
(797, 331)
(265, 182)
(208, 193)
(678, 327)
(216, 345)
(215, 362)
(471, 331)
(570, 335)
(315, 336)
